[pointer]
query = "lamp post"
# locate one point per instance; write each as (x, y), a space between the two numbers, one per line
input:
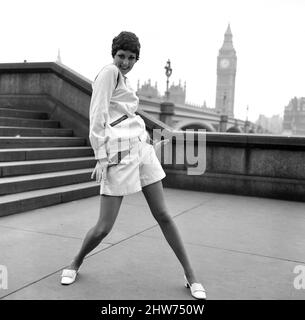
(247, 122)
(168, 72)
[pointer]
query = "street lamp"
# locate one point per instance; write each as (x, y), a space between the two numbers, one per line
(168, 72)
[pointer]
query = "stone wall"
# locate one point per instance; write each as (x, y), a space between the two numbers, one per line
(255, 165)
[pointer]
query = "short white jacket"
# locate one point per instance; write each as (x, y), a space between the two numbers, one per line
(113, 97)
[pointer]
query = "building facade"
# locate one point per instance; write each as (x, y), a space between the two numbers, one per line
(148, 91)
(177, 93)
(273, 124)
(294, 117)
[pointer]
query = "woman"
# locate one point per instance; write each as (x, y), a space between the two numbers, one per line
(126, 163)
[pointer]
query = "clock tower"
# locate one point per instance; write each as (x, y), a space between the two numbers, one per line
(226, 71)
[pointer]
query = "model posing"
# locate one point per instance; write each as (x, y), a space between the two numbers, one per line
(126, 162)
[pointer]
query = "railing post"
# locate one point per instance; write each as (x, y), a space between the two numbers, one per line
(247, 126)
(167, 112)
(223, 123)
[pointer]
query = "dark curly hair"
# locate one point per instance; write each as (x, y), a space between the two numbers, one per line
(126, 41)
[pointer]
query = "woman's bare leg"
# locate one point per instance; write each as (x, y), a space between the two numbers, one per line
(155, 199)
(109, 209)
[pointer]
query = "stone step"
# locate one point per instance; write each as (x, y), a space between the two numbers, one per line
(34, 132)
(25, 114)
(41, 164)
(32, 123)
(38, 142)
(30, 200)
(23, 107)
(44, 180)
(44, 153)
(16, 168)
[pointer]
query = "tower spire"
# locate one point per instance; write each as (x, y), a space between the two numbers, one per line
(58, 57)
(228, 43)
(229, 32)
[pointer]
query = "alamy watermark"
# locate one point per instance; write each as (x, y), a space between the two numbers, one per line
(186, 143)
(3, 277)
(299, 280)
(186, 148)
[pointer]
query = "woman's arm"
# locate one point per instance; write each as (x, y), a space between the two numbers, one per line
(103, 88)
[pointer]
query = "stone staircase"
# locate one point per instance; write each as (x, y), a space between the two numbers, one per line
(41, 164)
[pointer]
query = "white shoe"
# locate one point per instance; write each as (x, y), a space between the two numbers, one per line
(68, 276)
(197, 290)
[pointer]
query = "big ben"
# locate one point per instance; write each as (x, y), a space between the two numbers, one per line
(226, 71)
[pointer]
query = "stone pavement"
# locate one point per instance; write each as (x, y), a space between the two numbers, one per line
(240, 247)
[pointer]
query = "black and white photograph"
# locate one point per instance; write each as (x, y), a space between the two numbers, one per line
(152, 152)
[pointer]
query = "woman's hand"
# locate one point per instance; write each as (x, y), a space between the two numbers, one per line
(157, 145)
(100, 170)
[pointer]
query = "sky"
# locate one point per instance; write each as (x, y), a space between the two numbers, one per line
(268, 37)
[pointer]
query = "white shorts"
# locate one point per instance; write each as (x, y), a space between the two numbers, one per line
(139, 168)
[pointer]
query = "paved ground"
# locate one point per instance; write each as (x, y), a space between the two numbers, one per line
(240, 247)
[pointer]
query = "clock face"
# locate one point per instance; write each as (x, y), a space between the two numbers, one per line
(224, 63)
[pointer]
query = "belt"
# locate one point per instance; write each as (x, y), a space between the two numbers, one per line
(114, 123)
(133, 140)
